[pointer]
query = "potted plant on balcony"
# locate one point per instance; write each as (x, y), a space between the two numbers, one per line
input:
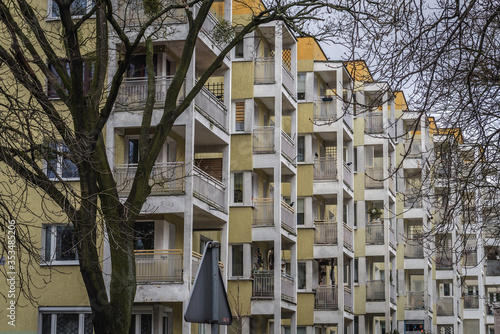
(375, 214)
(327, 98)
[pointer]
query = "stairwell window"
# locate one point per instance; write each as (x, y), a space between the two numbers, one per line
(239, 116)
(301, 86)
(301, 149)
(238, 188)
(237, 260)
(300, 211)
(59, 244)
(59, 164)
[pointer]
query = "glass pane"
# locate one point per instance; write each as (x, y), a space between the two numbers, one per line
(66, 244)
(237, 261)
(146, 323)
(301, 149)
(88, 328)
(69, 169)
(144, 235)
(67, 323)
(48, 243)
(133, 151)
(46, 323)
(301, 269)
(238, 188)
(132, 324)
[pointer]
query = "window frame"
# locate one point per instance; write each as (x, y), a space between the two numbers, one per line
(54, 311)
(58, 172)
(233, 260)
(52, 17)
(53, 247)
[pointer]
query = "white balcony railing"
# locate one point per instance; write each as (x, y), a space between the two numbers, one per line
(374, 123)
(325, 168)
(264, 70)
(208, 104)
(444, 259)
(287, 217)
(413, 199)
(444, 306)
(348, 178)
(325, 109)
(415, 300)
(375, 234)
(470, 259)
(390, 182)
(493, 268)
(288, 147)
(166, 178)
(375, 290)
(287, 287)
(414, 251)
(471, 301)
(133, 92)
(208, 189)
(413, 149)
(325, 297)
(325, 233)
(158, 265)
(263, 139)
(263, 214)
(263, 284)
(348, 300)
(348, 240)
(392, 237)
(288, 80)
(374, 178)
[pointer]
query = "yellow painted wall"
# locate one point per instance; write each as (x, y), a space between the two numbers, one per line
(359, 242)
(305, 242)
(240, 300)
(359, 131)
(360, 299)
(242, 80)
(241, 152)
(359, 186)
(305, 309)
(304, 180)
(305, 116)
(240, 224)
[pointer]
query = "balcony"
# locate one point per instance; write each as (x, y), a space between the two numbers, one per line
(263, 212)
(415, 300)
(133, 92)
(414, 251)
(375, 290)
(287, 217)
(212, 107)
(325, 298)
(493, 268)
(444, 260)
(263, 140)
(471, 301)
(208, 189)
(413, 199)
(413, 149)
(325, 109)
(264, 70)
(374, 123)
(166, 178)
(263, 285)
(158, 265)
(325, 169)
(325, 233)
(134, 11)
(374, 178)
(288, 80)
(348, 300)
(375, 234)
(444, 306)
(287, 147)
(470, 259)
(348, 178)
(348, 240)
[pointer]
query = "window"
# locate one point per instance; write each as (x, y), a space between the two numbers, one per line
(445, 289)
(300, 149)
(301, 86)
(137, 66)
(239, 48)
(59, 244)
(355, 214)
(66, 320)
(238, 188)
(355, 160)
(88, 71)
(347, 273)
(133, 150)
(78, 8)
(356, 270)
(301, 275)
(300, 211)
(240, 116)
(144, 233)
(141, 324)
(369, 156)
(237, 261)
(60, 163)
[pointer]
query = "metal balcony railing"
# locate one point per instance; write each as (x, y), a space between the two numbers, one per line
(208, 189)
(374, 123)
(374, 178)
(287, 215)
(375, 234)
(325, 298)
(263, 284)
(348, 300)
(348, 239)
(264, 70)
(413, 251)
(133, 92)
(325, 233)
(444, 259)
(287, 287)
(209, 105)
(325, 168)
(375, 290)
(471, 301)
(158, 265)
(348, 177)
(444, 306)
(415, 300)
(325, 109)
(166, 178)
(263, 212)
(493, 268)
(288, 80)
(263, 139)
(288, 147)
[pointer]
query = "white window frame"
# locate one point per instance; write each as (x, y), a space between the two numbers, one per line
(54, 311)
(442, 292)
(53, 244)
(58, 166)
